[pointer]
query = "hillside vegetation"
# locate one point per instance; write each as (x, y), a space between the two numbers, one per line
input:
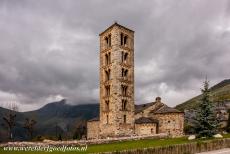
(52, 119)
(219, 92)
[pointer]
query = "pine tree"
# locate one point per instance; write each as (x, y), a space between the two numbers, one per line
(207, 123)
(228, 124)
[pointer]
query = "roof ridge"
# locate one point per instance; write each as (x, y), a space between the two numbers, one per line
(164, 105)
(115, 24)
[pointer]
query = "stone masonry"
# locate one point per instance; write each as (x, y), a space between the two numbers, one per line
(119, 116)
(116, 81)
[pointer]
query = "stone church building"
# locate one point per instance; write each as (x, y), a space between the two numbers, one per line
(119, 116)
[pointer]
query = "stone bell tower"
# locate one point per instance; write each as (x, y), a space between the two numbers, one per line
(116, 82)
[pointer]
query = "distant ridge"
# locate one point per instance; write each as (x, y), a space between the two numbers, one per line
(219, 92)
(221, 84)
(56, 117)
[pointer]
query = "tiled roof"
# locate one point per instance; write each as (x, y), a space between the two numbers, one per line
(143, 120)
(141, 107)
(161, 108)
(166, 109)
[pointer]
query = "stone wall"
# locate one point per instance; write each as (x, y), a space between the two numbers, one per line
(92, 129)
(145, 129)
(171, 123)
(112, 116)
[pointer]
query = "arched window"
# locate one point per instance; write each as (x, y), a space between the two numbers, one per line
(125, 57)
(121, 38)
(124, 90)
(106, 59)
(124, 72)
(108, 41)
(107, 74)
(125, 40)
(109, 59)
(107, 105)
(107, 90)
(124, 104)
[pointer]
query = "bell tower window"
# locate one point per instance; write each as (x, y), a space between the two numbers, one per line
(121, 38)
(107, 58)
(124, 104)
(124, 72)
(108, 41)
(107, 90)
(107, 73)
(124, 90)
(125, 40)
(107, 105)
(124, 57)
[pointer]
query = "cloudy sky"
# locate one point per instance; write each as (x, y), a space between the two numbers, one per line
(49, 49)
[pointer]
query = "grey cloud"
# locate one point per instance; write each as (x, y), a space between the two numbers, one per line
(51, 48)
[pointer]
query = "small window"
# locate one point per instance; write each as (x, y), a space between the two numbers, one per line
(107, 89)
(124, 90)
(109, 41)
(152, 131)
(107, 119)
(125, 56)
(107, 105)
(124, 118)
(121, 38)
(107, 73)
(125, 40)
(109, 59)
(106, 40)
(106, 59)
(124, 72)
(124, 104)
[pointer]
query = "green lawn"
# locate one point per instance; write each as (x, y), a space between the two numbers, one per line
(125, 145)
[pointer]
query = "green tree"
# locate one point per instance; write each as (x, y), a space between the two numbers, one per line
(206, 122)
(228, 124)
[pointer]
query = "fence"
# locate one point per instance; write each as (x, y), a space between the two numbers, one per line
(189, 148)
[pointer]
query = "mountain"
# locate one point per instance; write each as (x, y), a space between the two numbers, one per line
(52, 119)
(219, 93)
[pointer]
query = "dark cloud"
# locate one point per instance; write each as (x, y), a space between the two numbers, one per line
(50, 49)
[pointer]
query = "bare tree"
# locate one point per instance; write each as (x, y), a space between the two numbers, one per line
(9, 119)
(29, 126)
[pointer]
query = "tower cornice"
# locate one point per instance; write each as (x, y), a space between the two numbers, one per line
(118, 25)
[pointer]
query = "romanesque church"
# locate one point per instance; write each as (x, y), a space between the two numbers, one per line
(119, 116)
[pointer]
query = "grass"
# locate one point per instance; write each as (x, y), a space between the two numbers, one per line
(124, 145)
